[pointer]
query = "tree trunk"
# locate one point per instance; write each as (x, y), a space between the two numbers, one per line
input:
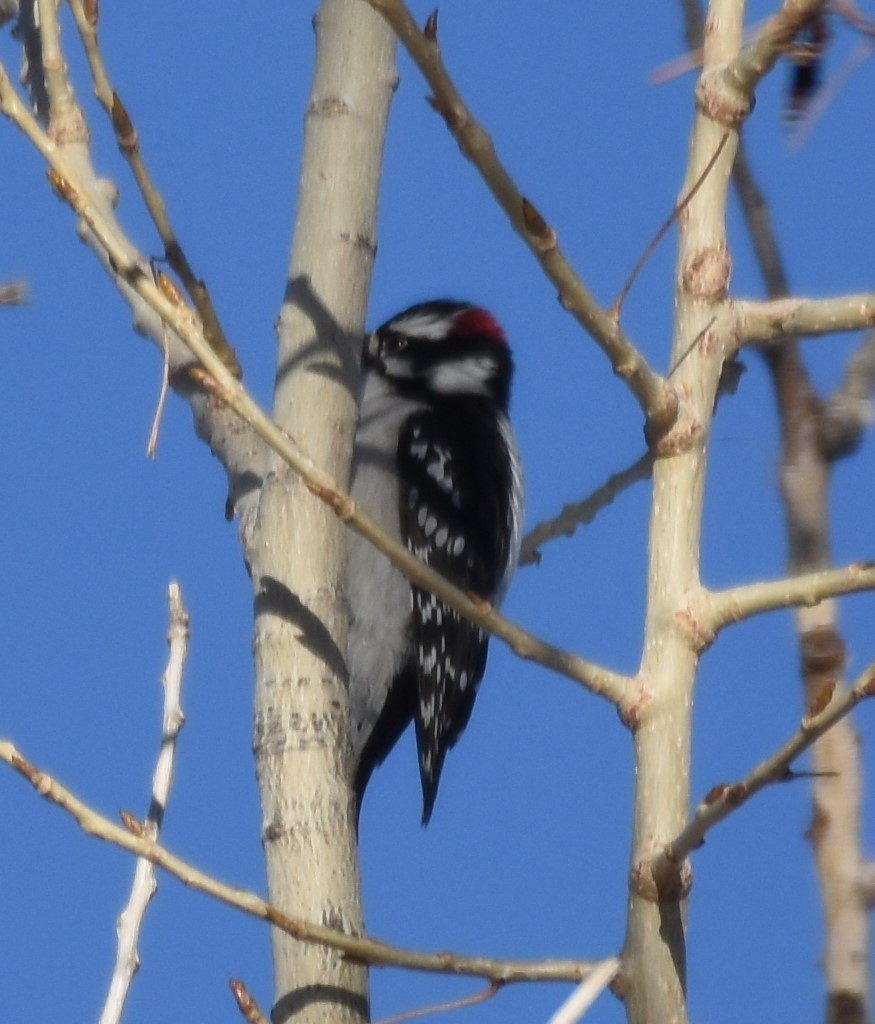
(296, 545)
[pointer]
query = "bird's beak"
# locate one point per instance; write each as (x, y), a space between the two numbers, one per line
(371, 350)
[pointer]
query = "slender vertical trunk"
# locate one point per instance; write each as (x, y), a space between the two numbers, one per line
(654, 957)
(296, 547)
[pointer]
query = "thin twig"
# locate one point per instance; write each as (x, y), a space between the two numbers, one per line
(580, 513)
(129, 145)
(693, 58)
(759, 224)
(144, 886)
(586, 993)
(454, 1004)
(152, 445)
(680, 206)
(361, 948)
(655, 395)
(848, 411)
(723, 799)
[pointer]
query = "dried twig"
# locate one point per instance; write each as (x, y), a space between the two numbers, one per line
(454, 1004)
(680, 206)
(580, 513)
(129, 145)
(144, 885)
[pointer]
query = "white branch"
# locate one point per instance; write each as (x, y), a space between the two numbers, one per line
(144, 886)
(737, 603)
(586, 993)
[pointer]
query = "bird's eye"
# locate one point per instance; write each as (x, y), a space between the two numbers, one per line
(397, 342)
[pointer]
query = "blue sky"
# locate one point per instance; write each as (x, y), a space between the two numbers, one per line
(527, 853)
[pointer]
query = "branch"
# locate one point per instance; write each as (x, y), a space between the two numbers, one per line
(361, 948)
(777, 33)
(654, 393)
(129, 146)
(583, 512)
(759, 224)
(586, 993)
(758, 322)
(723, 799)
(484, 995)
(723, 607)
(678, 211)
(848, 411)
(144, 886)
(64, 147)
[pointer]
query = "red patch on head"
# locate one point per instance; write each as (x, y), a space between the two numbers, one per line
(478, 321)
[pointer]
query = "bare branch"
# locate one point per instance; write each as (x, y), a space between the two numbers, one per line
(362, 948)
(586, 993)
(129, 146)
(654, 393)
(723, 799)
(580, 513)
(848, 412)
(144, 886)
(759, 224)
(723, 607)
(454, 1004)
(767, 321)
(152, 444)
(58, 89)
(230, 440)
(679, 208)
(758, 58)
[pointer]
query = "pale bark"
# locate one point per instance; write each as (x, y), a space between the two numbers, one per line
(654, 955)
(295, 547)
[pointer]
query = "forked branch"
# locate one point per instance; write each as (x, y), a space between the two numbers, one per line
(828, 709)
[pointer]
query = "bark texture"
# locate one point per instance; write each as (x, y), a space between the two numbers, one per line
(295, 544)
